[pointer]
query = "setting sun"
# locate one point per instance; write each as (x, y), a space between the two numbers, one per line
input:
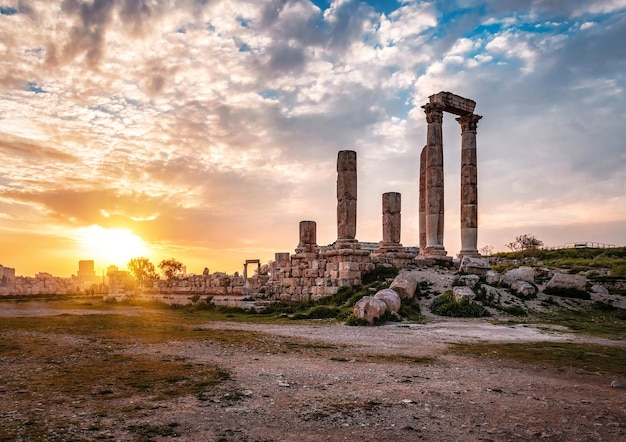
(111, 246)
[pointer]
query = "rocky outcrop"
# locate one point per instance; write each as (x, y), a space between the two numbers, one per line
(571, 286)
(568, 282)
(474, 265)
(470, 281)
(524, 289)
(492, 277)
(523, 273)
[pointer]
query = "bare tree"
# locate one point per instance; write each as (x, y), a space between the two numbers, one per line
(486, 250)
(524, 242)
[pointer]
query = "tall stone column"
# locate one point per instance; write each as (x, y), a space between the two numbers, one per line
(391, 220)
(469, 186)
(434, 180)
(346, 197)
(308, 237)
(422, 202)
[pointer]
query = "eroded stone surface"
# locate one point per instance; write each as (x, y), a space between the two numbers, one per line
(405, 284)
(389, 297)
(369, 309)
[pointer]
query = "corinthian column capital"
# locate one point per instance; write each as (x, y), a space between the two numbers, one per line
(434, 112)
(468, 122)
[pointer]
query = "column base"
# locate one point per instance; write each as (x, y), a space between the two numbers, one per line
(342, 244)
(434, 260)
(435, 251)
(470, 253)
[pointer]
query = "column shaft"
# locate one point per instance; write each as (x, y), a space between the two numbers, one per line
(469, 185)
(346, 195)
(391, 218)
(308, 237)
(422, 202)
(434, 180)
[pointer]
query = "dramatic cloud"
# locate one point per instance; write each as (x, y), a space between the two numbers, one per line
(210, 128)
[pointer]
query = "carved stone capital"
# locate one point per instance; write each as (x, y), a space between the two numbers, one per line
(434, 112)
(468, 122)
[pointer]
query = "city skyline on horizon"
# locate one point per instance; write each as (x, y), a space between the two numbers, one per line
(206, 131)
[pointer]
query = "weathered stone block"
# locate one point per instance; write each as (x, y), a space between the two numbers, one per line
(389, 297)
(405, 284)
(492, 277)
(462, 293)
(369, 309)
(474, 265)
(469, 280)
(520, 274)
(524, 289)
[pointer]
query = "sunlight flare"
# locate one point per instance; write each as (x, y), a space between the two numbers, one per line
(111, 246)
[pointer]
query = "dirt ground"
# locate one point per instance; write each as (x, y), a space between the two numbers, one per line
(396, 382)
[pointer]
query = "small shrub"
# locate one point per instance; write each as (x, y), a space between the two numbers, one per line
(446, 305)
(380, 273)
(618, 270)
(323, 312)
(410, 309)
(353, 321)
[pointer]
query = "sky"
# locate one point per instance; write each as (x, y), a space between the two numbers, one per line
(205, 130)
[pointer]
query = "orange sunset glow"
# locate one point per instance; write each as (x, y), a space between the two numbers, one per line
(205, 131)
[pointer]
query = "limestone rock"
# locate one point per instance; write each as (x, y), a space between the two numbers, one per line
(524, 289)
(461, 292)
(369, 309)
(599, 289)
(520, 274)
(492, 277)
(469, 280)
(490, 292)
(405, 284)
(389, 297)
(475, 265)
(568, 282)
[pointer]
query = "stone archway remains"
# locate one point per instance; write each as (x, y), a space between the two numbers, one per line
(431, 191)
(245, 267)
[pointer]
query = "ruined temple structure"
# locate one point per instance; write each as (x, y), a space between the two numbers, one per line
(431, 191)
(316, 271)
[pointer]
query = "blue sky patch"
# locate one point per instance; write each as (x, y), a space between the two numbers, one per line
(6, 10)
(31, 86)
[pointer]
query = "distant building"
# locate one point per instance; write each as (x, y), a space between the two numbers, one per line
(7, 279)
(86, 275)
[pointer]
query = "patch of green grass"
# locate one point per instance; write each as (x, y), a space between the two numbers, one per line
(591, 321)
(446, 305)
(380, 274)
(591, 358)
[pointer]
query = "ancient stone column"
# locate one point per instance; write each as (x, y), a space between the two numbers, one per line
(391, 219)
(346, 197)
(434, 180)
(308, 237)
(422, 202)
(469, 186)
